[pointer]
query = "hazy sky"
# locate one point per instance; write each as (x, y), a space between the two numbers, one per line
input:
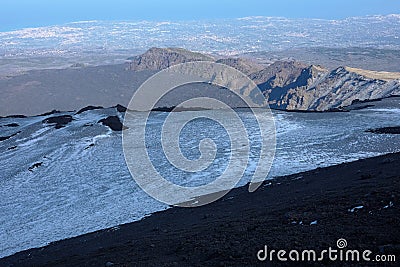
(16, 14)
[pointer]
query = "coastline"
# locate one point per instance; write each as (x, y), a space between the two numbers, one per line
(230, 231)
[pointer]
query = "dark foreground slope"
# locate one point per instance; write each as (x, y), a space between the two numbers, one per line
(229, 232)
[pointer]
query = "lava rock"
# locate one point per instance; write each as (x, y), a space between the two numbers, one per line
(3, 138)
(89, 146)
(113, 122)
(121, 108)
(385, 130)
(12, 125)
(34, 166)
(59, 121)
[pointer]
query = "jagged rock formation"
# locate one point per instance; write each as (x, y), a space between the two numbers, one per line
(317, 89)
(11, 125)
(34, 166)
(278, 74)
(291, 85)
(161, 58)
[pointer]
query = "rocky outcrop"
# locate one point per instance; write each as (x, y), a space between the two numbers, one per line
(114, 123)
(11, 125)
(279, 74)
(59, 121)
(161, 58)
(120, 108)
(35, 166)
(89, 146)
(3, 138)
(317, 89)
(385, 130)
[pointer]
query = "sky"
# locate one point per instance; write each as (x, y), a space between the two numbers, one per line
(16, 14)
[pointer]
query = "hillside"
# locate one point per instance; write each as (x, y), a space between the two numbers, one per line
(288, 85)
(161, 58)
(314, 88)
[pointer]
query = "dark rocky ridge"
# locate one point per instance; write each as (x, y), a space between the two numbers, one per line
(177, 109)
(295, 86)
(11, 125)
(59, 121)
(35, 166)
(49, 113)
(113, 122)
(385, 130)
(17, 116)
(3, 138)
(121, 108)
(292, 85)
(325, 90)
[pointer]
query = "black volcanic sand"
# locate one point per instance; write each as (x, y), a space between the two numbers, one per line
(229, 232)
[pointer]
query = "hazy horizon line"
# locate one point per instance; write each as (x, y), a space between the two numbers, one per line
(192, 20)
